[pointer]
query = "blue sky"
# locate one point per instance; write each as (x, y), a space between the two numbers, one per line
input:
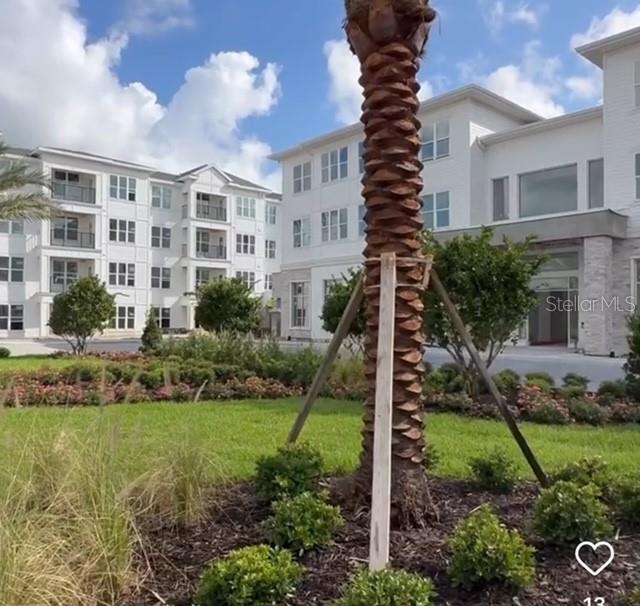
(265, 74)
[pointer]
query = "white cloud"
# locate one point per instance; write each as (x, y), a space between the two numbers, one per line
(585, 87)
(157, 16)
(499, 13)
(534, 83)
(345, 92)
(59, 89)
(615, 22)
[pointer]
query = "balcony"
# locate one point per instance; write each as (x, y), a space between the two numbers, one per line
(211, 212)
(73, 239)
(60, 283)
(67, 192)
(212, 252)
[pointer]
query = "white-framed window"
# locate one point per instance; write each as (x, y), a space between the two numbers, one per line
(501, 199)
(362, 224)
(66, 229)
(248, 277)
(437, 210)
(11, 269)
(122, 231)
(335, 225)
(124, 318)
(268, 281)
(64, 273)
(246, 207)
(335, 165)
(122, 188)
(549, 191)
(12, 227)
(596, 183)
(361, 160)
(301, 232)
(160, 237)
(161, 277)
(162, 316)
(161, 196)
(205, 275)
(270, 214)
(299, 304)
(270, 249)
(122, 274)
(245, 244)
(11, 317)
(302, 177)
(436, 141)
(210, 207)
(636, 82)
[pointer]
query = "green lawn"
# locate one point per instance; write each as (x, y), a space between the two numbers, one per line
(236, 433)
(33, 362)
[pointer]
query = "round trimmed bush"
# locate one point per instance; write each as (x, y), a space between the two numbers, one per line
(495, 471)
(507, 381)
(569, 513)
(303, 522)
(387, 588)
(587, 470)
(253, 576)
(573, 379)
(587, 411)
(484, 551)
(626, 501)
(616, 389)
(4, 352)
(543, 380)
(294, 469)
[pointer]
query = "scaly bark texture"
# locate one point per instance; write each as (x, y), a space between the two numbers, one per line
(388, 37)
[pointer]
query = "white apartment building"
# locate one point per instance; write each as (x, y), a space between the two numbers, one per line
(572, 181)
(151, 236)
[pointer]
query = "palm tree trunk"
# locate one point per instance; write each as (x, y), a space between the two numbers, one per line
(388, 36)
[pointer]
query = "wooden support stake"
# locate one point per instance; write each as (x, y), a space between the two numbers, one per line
(381, 488)
(322, 374)
(488, 379)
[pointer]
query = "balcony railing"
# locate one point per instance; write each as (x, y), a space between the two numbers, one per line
(61, 283)
(73, 239)
(73, 193)
(211, 212)
(212, 252)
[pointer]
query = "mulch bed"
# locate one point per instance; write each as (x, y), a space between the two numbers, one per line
(175, 558)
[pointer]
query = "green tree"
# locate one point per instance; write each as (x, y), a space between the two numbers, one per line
(227, 304)
(491, 288)
(85, 309)
(335, 303)
(151, 335)
(15, 202)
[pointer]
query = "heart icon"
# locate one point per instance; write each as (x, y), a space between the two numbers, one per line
(594, 547)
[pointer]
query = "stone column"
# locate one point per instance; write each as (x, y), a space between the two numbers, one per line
(597, 305)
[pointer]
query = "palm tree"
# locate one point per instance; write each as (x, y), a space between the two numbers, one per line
(15, 202)
(388, 37)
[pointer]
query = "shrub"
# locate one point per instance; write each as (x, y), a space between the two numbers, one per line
(632, 598)
(4, 352)
(253, 576)
(484, 551)
(570, 513)
(540, 378)
(151, 335)
(617, 389)
(495, 471)
(83, 371)
(624, 412)
(626, 501)
(573, 392)
(387, 588)
(507, 381)
(584, 471)
(587, 411)
(573, 379)
(453, 377)
(537, 406)
(295, 469)
(303, 522)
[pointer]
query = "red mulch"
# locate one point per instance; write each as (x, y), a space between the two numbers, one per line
(175, 558)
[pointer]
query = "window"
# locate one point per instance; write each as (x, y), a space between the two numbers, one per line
(636, 81)
(63, 274)
(361, 158)
(125, 318)
(436, 141)
(270, 214)
(11, 317)
(436, 210)
(549, 191)
(248, 277)
(335, 225)
(205, 275)
(211, 207)
(161, 277)
(637, 176)
(362, 224)
(66, 177)
(65, 229)
(11, 227)
(122, 231)
(327, 285)
(245, 244)
(302, 177)
(268, 281)
(246, 207)
(299, 304)
(270, 249)
(161, 237)
(335, 165)
(122, 188)
(301, 232)
(161, 196)
(501, 199)
(11, 269)
(122, 274)
(596, 183)
(162, 316)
